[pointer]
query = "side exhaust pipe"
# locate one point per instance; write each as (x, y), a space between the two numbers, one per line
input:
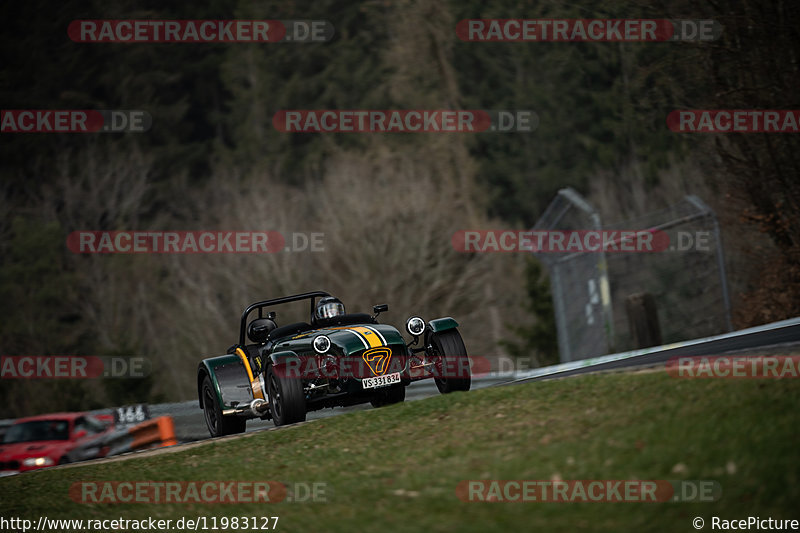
(257, 408)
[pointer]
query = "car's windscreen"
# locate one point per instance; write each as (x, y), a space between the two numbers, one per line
(37, 430)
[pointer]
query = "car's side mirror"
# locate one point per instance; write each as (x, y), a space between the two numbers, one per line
(81, 433)
(378, 309)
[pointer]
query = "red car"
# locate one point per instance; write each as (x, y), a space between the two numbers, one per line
(47, 440)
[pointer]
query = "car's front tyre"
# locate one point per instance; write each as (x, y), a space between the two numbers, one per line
(286, 401)
(452, 372)
(218, 425)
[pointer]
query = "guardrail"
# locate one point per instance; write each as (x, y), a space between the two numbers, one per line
(784, 331)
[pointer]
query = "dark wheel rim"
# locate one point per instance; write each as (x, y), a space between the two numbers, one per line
(439, 364)
(210, 412)
(275, 395)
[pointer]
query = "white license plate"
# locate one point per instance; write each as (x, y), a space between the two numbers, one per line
(381, 381)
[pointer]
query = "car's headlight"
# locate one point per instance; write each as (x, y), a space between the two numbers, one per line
(322, 344)
(415, 326)
(38, 461)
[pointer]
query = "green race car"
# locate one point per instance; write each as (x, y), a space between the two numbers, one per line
(336, 359)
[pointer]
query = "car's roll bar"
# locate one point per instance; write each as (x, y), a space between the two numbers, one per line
(267, 303)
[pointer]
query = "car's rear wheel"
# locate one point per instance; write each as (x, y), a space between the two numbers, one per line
(388, 396)
(452, 367)
(218, 425)
(286, 401)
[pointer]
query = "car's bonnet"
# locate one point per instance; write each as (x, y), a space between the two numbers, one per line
(355, 338)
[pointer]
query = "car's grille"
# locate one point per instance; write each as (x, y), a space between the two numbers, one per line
(9, 465)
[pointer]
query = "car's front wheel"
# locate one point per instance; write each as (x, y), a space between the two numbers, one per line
(452, 363)
(218, 425)
(286, 401)
(388, 396)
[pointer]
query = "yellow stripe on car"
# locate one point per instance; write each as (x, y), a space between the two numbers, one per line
(367, 334)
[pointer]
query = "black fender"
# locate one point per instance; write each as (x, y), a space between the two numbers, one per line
(439, 324)
(230, 380)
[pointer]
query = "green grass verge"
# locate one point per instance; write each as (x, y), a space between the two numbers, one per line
(396, 468)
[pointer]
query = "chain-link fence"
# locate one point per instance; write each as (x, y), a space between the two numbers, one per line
(609, 301)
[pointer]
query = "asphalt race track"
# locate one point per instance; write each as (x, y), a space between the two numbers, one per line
(778, 338)
(190, 425)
